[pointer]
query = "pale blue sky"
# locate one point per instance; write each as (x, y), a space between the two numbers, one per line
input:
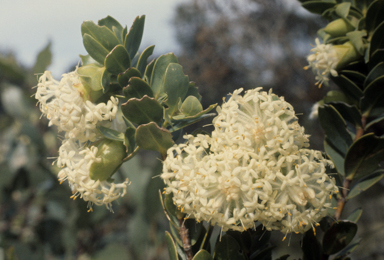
(26, 26)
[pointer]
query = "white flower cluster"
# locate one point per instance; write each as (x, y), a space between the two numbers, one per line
(255, 167)
(323, 62)
(65, 105)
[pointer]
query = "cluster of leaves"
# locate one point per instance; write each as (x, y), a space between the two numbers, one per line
(159, 100)
(204, 244)
(352, 117)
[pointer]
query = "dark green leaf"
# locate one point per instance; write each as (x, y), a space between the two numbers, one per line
(152, 137)
(371, 103)
(175, 85)
(317, 7)
(101, 34)
(338, 236)
(191, 106)
(349, 249)
(142, 62)
(349, 113)
(158, 72)
(335, 128)
(377, 40)
(348, 87)
(124, 77)
(265, 254)
(374, 121)
(43, 60)
(186, 121)
(355, 76)
(171, 246)
(375, 73)
(243, 238)
(228, 248)
(365, 183)
(311, 246)
(202, 255)
(194, 230)
(142, 111)
(171, 209)
(260, 238)
(133, 38)
(175, 234)
(117, 60)
(284, 257)
(111, 134)
(336, 96)
(97, 51)
(376, 57)
(336, 156)
(364, 156)
(148, 71)
(113, 25)
(355, 215)
(137, 88)
(129, 139)
(374, 15)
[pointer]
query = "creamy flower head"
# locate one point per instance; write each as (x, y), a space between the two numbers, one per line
(65, 105)
(253, 168)
(75, 161)
(323, 62)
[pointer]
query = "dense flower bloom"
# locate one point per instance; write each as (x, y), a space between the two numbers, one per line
(65, 105)
(253, 168)
(75, 161)
(323, 62)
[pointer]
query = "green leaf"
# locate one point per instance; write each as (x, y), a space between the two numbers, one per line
(228, 248)
(364, 156)
(137, 88)
(349, 249)
(336, 132)
(101, 34)
(376, 57)
(148, 71)
(374, 74)
(374, 121)
(336, 156)
(191, 106)
(317, 7)
(348, 87)
(158, 73)
(193, 91)
(371, 103)
(152, 137)
(356, 37)
(336, 96)
(202, 255)
(171, 247)
(95, 77)
(124, 77)
(374, 15)
(311, 246)
(97, 51)
(132, 40)
(43, 60)
(284, 257)
(117, 60)
(87, 59)
(175, 85)
(113, 25)
(342, 9)
(355, 215)
(338, 236)
(186, 121)
(111, 134)
(171, 209)
(142, 63)
(365, 183)
(243, 238)
(142, 111)
(129, 139)
(175, 233)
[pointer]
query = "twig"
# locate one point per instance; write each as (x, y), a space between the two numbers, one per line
(183, 232)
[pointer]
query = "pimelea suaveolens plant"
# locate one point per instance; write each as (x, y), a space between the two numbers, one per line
(254, 173)
(253, 168)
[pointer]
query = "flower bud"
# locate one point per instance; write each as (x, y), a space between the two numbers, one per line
(346, 53)
(110, 155)
(339, 27)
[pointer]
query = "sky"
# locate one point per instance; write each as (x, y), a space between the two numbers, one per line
(26, 26)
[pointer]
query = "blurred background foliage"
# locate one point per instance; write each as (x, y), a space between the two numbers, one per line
(225, 45)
